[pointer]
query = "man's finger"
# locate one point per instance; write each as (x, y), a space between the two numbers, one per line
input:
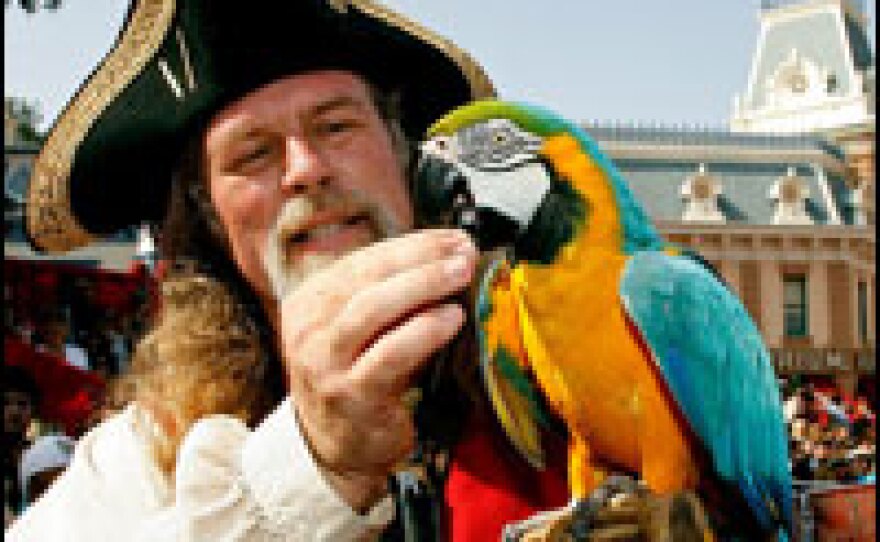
(375, 309)
(388, 366)
(375, 263)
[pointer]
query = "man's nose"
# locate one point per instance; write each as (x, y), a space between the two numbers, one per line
(305, 167)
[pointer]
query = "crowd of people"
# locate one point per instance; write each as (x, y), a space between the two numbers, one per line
(59, 352)
(30, 460)
(831, 437)
(91, 320)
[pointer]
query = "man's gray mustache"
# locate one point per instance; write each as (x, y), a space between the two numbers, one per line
(299, 211)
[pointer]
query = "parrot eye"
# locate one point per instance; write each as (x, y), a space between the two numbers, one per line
(500, 137)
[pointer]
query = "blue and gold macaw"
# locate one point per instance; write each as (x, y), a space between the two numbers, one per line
(589, 318)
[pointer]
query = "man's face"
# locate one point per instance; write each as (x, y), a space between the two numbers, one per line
(302, 171)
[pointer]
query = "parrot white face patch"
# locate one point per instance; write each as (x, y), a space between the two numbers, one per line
(516, 194)
(501, 163)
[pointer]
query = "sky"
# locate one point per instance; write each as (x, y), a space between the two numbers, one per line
(639, 61)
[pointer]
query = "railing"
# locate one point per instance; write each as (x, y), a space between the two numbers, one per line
(833, 511)
(804, 359)
(695, 134)
(857, 5)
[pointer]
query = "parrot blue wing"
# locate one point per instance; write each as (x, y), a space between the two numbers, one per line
(718, 370)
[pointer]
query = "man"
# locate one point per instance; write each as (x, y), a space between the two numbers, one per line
(269, 400)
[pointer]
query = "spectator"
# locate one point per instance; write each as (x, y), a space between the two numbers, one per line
(838, 447)
(58, 340)
(20, 398)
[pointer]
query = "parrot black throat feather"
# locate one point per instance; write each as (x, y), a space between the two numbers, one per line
(556, 222)
(441, 197)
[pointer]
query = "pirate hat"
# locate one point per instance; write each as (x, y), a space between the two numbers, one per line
(107, 161)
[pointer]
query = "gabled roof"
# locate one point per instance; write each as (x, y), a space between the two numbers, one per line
(816, 37)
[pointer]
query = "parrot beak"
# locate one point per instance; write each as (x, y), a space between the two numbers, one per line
(443, 198)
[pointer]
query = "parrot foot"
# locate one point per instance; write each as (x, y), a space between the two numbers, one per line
(541, 526)
(608, 514)
(621, 510)
(608, 498)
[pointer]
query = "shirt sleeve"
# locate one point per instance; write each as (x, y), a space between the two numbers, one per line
(236, 484)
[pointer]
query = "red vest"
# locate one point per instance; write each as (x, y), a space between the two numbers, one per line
(490, 485)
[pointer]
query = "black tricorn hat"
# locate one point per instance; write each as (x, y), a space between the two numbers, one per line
(107, 161)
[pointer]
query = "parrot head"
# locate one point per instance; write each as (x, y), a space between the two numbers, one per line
(482, 169)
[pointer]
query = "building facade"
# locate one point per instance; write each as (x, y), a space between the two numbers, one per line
(782, 202)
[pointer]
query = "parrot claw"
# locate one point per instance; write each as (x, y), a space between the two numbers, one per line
(585, 511)
(536, 527)
(611, 509)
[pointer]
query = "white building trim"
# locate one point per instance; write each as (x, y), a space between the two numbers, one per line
(827, 196)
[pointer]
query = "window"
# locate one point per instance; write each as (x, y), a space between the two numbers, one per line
(700, 192)
(790, 194)
(863, 311)
(831, 84)
(794, 300)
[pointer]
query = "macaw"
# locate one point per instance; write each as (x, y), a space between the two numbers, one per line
(589, 319)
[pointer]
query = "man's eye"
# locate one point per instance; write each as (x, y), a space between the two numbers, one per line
(251, 156)
(257, 153)
(336, 127)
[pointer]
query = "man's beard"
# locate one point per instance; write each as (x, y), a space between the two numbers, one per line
(286, 272)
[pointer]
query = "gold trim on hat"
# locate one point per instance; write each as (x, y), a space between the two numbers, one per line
(50, 220)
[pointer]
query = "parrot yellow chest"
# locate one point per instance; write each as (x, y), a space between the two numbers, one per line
(585, 354)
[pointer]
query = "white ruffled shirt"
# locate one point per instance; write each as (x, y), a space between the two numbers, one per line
(231, 484)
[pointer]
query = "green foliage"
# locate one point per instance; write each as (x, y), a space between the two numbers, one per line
(27, 116)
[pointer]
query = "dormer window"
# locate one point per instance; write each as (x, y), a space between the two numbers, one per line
(790, 194)
(798, 77)
(796, 81)
(700, 192)
(831, 84)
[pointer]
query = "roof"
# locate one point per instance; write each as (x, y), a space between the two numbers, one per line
(745, 188)
(745, 183)
(863, 58)
(22, 148)
(816, 37)
(706, 136)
